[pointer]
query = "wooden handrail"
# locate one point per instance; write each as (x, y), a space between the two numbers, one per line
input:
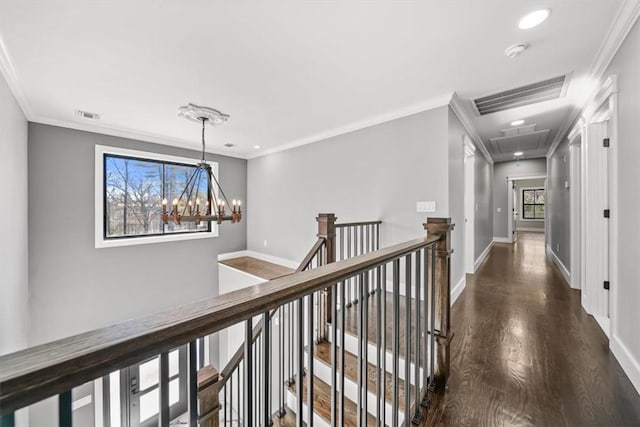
(310, 255)
(36, 373)
(352, 224)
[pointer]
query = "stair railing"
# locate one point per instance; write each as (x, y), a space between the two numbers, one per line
(411, 334)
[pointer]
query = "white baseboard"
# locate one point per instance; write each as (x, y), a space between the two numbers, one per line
(604, 323)
(629, 364)
(501, 240)
(565, 272)
(482, 256)
(457, 289)
(538, 230)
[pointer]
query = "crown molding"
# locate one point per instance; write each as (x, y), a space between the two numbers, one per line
(135, 135)
(462, 112)
(623, 22)
(11, 77)
(429, 104)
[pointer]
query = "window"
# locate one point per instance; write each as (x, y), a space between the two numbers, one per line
(130, 186)
(533, 200)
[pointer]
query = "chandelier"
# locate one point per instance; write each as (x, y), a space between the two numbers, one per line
(189, 206)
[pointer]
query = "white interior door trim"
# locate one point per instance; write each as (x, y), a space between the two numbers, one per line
(510, 206)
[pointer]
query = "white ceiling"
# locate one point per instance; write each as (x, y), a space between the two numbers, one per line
(287, 72)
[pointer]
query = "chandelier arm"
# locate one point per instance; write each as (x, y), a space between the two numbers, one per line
(185, 190)
(224, 196)
(193, 184)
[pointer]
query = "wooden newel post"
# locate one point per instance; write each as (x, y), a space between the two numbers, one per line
(208, 400)
(327, 231)
(442, 227)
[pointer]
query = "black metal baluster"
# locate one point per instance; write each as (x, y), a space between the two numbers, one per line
(65, 412)
(248, 374)
(433, 317)
(365, 344)
(427, 336)
(407, 340)
(310, 372)
(383, 347)
(361, 356)
(417, 417)
(300, 362)
(380, 395)
(396, 341)
(281, 361)
(163, 413)
(193, 384)
(229, 413)
(348, 303)
(342, 324)
(334, 354)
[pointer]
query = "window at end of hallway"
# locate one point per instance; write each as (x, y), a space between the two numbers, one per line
(533, 201)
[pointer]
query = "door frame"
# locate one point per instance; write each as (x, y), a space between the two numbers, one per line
(606, 99)
(510, 207)
(469, 205)
(576, 205)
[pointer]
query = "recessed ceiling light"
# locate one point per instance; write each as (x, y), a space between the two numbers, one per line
(534, 19)
(517, 122)
(257, 147)
(518, 153)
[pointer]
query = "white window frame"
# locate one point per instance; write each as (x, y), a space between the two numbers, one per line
(522, 218)
(100, 241)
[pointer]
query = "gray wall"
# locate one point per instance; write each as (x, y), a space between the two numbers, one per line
(373, 173)
(527, 223)
(626, 65)
(14, 300)
(501, 171)
(75, 287)
(558, 204)
(484, 204)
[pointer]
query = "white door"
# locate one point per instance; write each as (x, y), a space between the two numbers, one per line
(469, 212)
(596, 223)
(514, 212)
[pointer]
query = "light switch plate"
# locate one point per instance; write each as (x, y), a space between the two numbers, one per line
(428, 206)
(499, 210)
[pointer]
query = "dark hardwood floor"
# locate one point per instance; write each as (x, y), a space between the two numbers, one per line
(525, 353)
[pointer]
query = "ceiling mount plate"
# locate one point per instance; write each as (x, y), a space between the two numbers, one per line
(198, 113)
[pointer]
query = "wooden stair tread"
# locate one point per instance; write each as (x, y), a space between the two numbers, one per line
(287, 420)
(257, 267)
(323, 353)
(322, 402)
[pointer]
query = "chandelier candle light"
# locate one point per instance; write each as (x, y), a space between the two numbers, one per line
(187, 206)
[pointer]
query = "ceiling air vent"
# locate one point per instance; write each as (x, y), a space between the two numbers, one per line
(88, 115)
(545, 90)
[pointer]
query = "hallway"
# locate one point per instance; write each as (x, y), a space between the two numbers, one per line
(526, 354)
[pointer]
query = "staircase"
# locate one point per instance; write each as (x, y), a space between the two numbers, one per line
(358, 335)
(378, 316)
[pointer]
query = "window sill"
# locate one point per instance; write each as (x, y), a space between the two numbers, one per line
(132, 241)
